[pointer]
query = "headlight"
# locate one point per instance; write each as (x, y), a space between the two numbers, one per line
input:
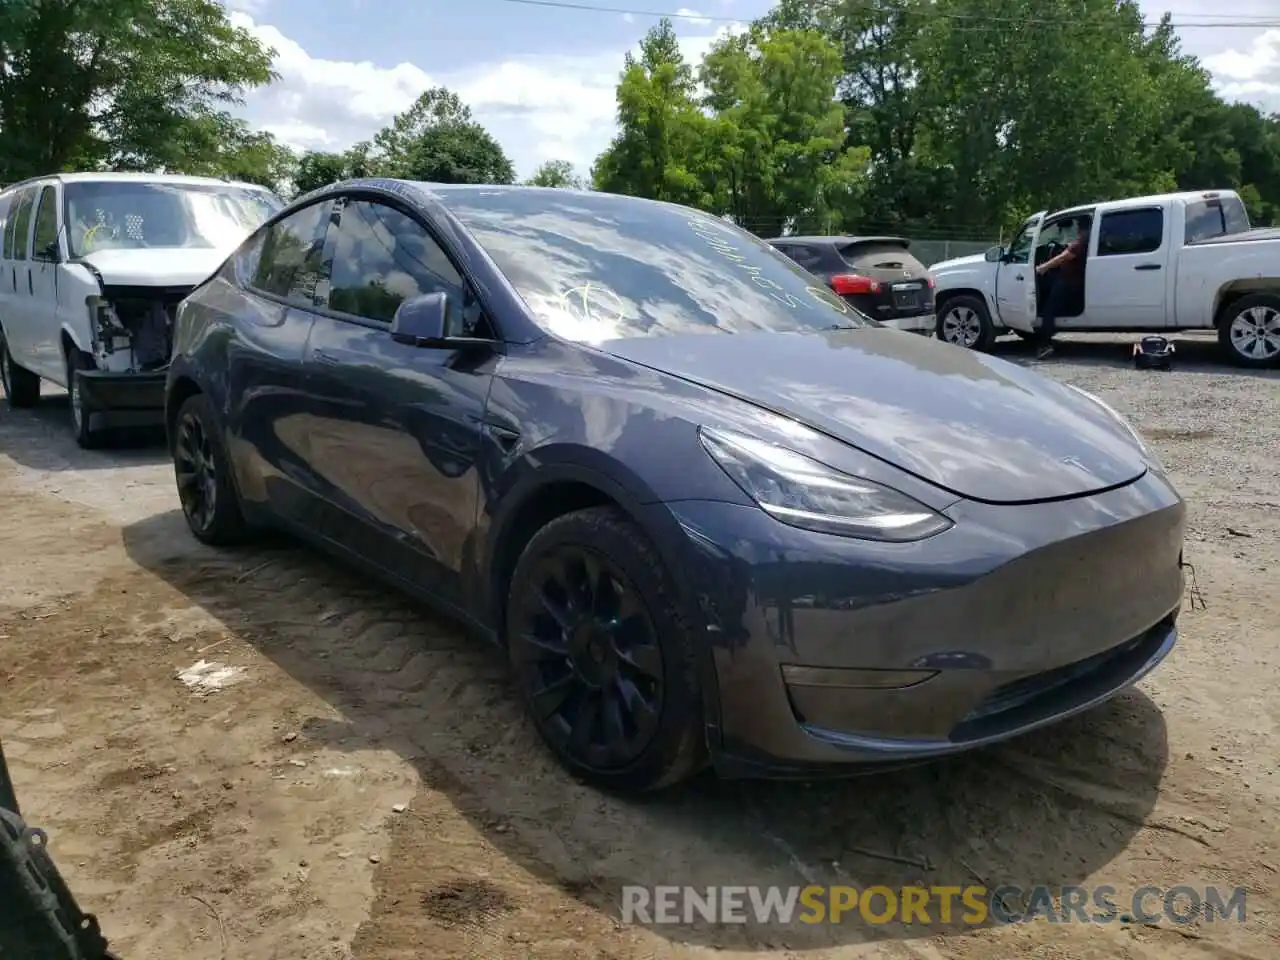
(801, 492)
(1119, 418)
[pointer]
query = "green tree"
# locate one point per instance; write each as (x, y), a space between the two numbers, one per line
(879, 87)
(130, 84)
(317, 169)
(781, 153)
(1046, 103)
(662, 135)
(555, 173)
(438, 140)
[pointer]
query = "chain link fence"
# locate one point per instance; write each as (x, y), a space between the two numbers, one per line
(930, 252)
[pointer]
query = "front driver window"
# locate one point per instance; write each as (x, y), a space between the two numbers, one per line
(382, 258)
(1020, 247)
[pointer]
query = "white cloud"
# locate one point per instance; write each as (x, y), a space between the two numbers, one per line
(1252, 74)
(326, 104)
(541, 107)
(1244, 60)
(693, 16)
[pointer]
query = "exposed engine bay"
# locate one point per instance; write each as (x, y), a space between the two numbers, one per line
(133, 326)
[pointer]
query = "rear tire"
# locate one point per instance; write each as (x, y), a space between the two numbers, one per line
(21, 386)
(602, 655)
(1249, 331)
(964, 321)
(202, 472)
(87, 438)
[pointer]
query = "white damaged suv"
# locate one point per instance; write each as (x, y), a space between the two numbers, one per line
(93, 266)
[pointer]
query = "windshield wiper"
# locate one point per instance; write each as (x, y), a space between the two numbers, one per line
(841, 326)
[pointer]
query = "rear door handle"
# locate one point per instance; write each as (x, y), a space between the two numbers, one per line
(326, 358)
(30, 288)
(1147, 266)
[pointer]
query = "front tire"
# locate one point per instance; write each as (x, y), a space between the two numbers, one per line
(21, 386)
(602, 655)
(964, 321)
(1249, 331)
(87, 438)
(202, 471)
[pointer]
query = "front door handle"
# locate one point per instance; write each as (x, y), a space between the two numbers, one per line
(326, 358)
(1147, 266)
(1018, 277)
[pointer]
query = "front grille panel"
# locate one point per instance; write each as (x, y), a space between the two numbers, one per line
(1110, 667)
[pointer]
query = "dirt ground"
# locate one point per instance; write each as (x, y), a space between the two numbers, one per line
(346, 776)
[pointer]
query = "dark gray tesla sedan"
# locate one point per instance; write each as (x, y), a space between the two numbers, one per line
(707, 509)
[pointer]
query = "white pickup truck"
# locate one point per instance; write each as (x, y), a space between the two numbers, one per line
(1179, 261)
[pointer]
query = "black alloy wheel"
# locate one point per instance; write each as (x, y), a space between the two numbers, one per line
(196, 469)
(592, 663)
(201, 470)
(602, 655)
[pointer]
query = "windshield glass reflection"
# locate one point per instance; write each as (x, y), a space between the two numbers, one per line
(127, 214)
(599, 267)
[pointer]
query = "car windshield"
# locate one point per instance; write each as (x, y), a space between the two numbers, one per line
(116, 215)
(595, 267)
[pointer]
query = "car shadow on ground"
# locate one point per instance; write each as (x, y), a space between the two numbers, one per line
(1052, 808)
(40, 438)
(1191, 354)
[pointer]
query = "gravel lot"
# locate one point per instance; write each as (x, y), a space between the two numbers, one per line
(350, 778)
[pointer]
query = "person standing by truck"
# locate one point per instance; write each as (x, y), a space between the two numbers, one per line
(1065, 284)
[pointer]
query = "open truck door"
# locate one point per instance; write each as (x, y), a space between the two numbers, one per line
(1016, 277)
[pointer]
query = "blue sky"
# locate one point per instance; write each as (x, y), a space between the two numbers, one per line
(542, 79)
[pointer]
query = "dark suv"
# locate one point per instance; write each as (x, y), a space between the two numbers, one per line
(874, 274)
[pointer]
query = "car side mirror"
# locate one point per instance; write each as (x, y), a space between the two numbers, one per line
(50, 252)
(423, 321)
(994, 254)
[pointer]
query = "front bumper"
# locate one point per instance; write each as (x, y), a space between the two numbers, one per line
(1015, 618)
(123, 399)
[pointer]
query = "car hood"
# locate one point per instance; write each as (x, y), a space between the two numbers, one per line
(959, 263)
(156, 266)
(974, 425)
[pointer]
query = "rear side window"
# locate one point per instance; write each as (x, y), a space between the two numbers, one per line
(22, 223)
(807, 257)
(46, 224)
(1131, 231)
(291, 262)
(6, 225)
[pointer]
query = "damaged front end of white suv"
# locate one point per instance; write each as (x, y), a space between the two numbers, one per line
(137, 248)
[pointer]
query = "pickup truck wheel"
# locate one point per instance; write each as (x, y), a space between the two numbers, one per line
(965, 322)
(21, 386)
(87, 438)
(1249, 331)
